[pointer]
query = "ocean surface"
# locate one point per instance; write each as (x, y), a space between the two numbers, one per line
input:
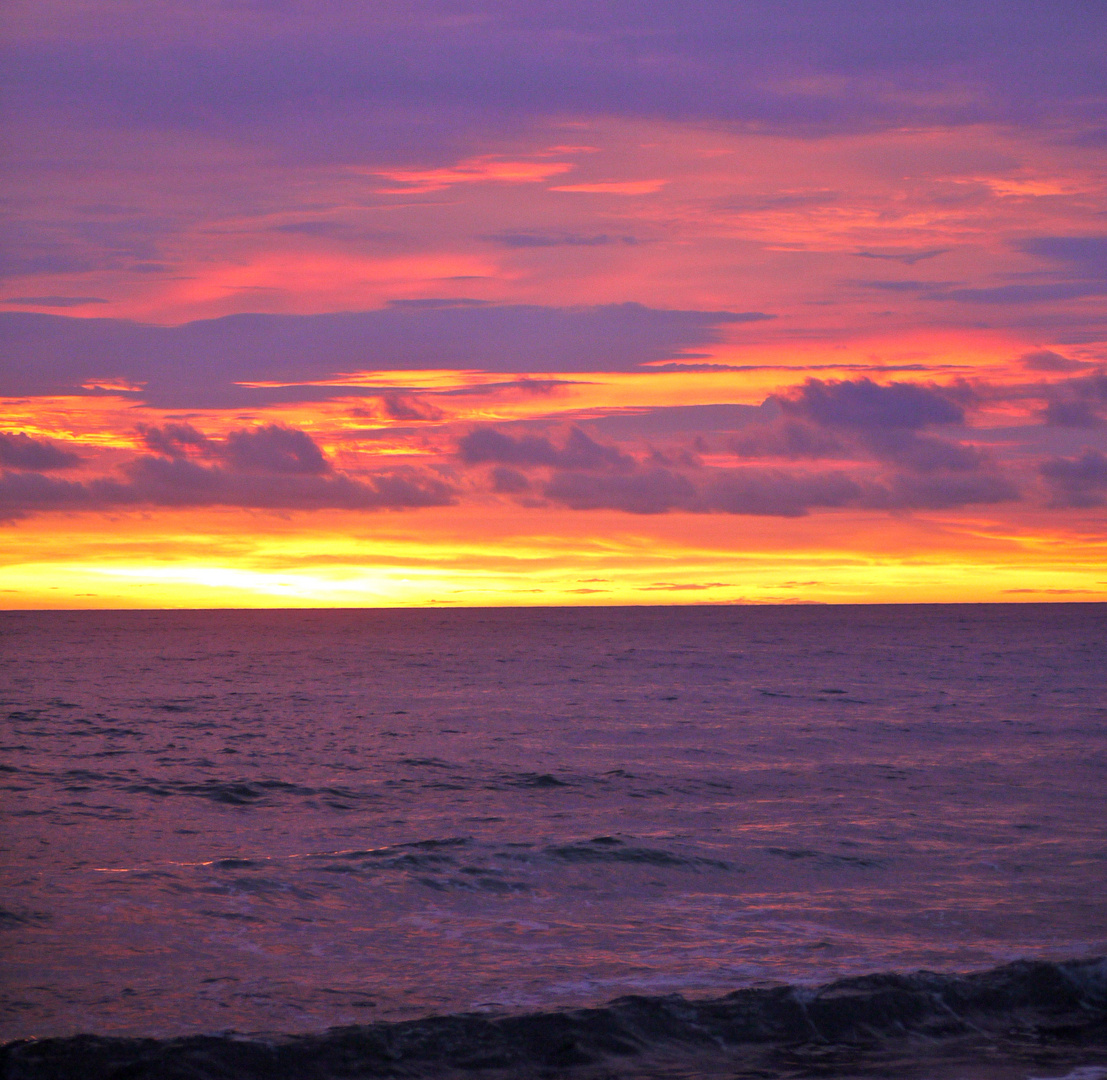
(274, 823)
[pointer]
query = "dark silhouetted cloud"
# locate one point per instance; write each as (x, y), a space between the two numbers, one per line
(1084, 255)
(174, 440)
(909, 258)
(1077, 482)
(199, 364)
(486, 445)
(19, 451)
(921, 453)
(776, 493)
(54, 301)
(1079, 402)
(654, 491)
(409, 407)
(1078, 269)
(507, 481)
(787, 438)
(177, 482)
(1025, 294)
(863, 404)
(1045, 360)
(1073, 413)
(267, 448)
(772, 492)
(274, 449)
(944, 492)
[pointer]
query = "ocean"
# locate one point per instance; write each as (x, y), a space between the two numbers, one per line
(618, 842)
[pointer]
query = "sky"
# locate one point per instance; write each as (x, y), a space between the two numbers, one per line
(312, 303)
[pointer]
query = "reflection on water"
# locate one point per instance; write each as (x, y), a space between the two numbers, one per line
(280, 821)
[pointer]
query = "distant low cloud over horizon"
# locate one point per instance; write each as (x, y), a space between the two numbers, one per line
(661, 294)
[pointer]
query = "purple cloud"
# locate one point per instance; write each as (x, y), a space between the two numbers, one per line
(268, 448)
(921, 453)
(775, 493)
(199, 364)
(654, 491)
(1072, 414)
(865, 405)
(19, 451)
(788, 438)
(274, 449)
(1079, 402)
(1084, 255)
(772, 492)
(1077, 482)
(54, 301)
(442, 74)
(1046, 360)
(507, 481)
(544, 240)
(177, 482)
(943, 492)
(486, 445)
(174, 440)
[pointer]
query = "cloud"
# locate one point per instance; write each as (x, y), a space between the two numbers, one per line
(945, 492)
(1085, 255)
(200, 364)
(906, 286)
(1082, 272)
(267, 448)
(1077, 482)
(274, 449)
(174, 440)
(770, 492)
(1072, 414)
(850, 420)
(1078, 402)
(177, 482)
(338, 81)
(1045, 360)
(266, 467)
(545, 240)
(789, 438)
(908, 257)
(19, 451)
(669, 420)
(863, 404)
(54, 301)
(486, 445)
(777, 493)
(409, 407)
(654, 491)
(1025, 294)
(922, 453)
(507, 481)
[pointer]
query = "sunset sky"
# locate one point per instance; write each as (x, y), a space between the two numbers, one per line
(463, 302)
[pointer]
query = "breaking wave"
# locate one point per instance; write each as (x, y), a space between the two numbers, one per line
(1024, 1019)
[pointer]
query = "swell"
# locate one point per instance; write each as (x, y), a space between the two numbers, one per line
(1045, 1012)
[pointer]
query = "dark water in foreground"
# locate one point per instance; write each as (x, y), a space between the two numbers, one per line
(280, 822)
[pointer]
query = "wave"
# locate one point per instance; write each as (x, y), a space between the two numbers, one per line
(1032, 1015)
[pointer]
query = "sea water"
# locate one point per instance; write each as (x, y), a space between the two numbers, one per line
(282, 821)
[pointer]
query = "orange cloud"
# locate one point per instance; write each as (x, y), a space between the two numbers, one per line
(482, 170)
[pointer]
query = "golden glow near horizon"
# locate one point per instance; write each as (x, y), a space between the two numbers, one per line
(243, 564)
